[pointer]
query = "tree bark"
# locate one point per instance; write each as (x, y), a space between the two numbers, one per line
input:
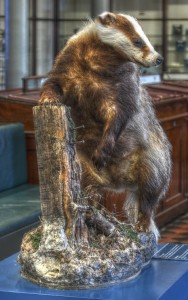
(59, 168)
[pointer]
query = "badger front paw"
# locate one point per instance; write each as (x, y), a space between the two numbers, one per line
(48, 100)
(99, 159)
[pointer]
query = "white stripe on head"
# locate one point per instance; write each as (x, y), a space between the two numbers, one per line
(114, 37)
(111, 35)
(139, 30)
(104, 14)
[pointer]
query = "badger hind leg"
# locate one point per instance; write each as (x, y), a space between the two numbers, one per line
(152, 179)
(143, 221)
(132, 208)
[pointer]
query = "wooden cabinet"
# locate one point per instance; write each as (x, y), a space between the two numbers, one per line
(173, 115)
(17, 107)
(171, 104)
(175, 201)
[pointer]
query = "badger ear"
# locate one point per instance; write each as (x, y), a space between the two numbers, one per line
(107, 18)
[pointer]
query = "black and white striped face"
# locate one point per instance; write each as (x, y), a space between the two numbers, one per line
(124, 33)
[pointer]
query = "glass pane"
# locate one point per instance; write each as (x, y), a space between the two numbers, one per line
(139, 9)
(44, 59)
(1, 7)
(177, 49)
(45, 8)
(177, 9)
(2, 46)
(31, 36)
(30, 8)
(177, 42)
(66, 30)
(73, 9)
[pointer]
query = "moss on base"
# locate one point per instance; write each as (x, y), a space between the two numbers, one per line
(106, 260)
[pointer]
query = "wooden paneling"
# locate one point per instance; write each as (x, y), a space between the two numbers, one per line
(17, 107)
(176, 131)
(31, 157)
(14, 112)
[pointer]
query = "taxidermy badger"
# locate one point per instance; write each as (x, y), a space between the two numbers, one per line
(125, 149)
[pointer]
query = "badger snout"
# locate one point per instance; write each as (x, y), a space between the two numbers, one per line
(153, 59)
(159, 60)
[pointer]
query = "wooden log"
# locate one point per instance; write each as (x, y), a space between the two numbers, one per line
(59, 169)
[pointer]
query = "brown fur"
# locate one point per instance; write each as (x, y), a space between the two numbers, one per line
(120, 128)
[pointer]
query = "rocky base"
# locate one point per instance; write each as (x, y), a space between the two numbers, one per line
(104, 261)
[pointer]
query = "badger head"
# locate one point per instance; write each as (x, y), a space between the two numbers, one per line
(125, 34)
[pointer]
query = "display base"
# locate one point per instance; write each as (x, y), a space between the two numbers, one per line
(161, 280)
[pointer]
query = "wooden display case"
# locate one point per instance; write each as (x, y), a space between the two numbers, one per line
(172, 111)
(171, 104)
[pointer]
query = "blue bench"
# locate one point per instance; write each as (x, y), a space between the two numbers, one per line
(19, 201)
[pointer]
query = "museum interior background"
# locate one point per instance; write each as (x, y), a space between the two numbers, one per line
(31, 34)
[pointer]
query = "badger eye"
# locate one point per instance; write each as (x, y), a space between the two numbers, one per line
(139, 43)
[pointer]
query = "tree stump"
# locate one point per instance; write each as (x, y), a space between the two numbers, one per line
(59, 174)
(76, 245)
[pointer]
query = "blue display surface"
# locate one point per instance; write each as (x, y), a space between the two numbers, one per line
(161, 280)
